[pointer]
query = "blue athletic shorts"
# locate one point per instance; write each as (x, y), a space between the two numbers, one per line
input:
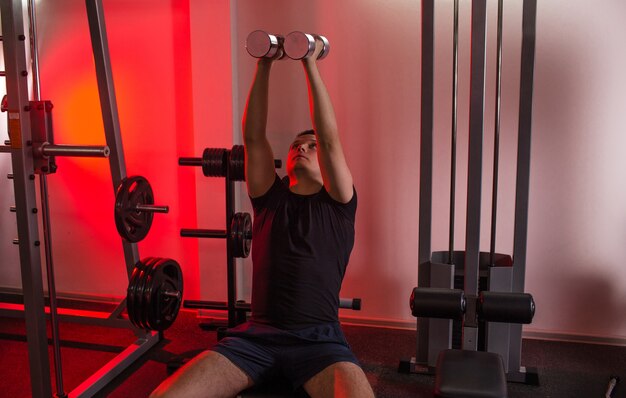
(265, 353)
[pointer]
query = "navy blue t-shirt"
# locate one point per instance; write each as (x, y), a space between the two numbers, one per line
(301, 245)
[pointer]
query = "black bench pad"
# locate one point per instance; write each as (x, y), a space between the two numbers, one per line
(470, 374)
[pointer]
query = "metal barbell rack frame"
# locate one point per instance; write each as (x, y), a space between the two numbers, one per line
(24, 168)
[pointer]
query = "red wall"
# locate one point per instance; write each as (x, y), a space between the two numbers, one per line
(150, 45)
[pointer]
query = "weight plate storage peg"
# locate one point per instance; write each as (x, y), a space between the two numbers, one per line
(241, 234)
(155, 293)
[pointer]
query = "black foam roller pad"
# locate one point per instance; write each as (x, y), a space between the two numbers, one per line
(506, 307)
(431, 302)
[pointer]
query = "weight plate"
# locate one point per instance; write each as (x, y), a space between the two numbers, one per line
(237, 163)
(214, 162)
(131, 293)
(241, 234)
(145, 291)
(163, 308)
(140, 307)
(132, 224)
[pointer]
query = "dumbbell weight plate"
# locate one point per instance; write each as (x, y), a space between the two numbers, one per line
(299, 45)
(261, 44)
(133, 225)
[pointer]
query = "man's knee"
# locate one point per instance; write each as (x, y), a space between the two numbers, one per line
(341, 379)
(208, 374)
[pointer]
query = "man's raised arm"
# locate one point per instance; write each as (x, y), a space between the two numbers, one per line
(335, 172)
(260, 172)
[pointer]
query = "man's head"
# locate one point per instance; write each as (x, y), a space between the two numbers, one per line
(302, 156)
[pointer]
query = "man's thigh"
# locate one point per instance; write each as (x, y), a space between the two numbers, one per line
(209, 374)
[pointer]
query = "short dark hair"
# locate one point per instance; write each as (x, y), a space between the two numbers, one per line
(305, 132)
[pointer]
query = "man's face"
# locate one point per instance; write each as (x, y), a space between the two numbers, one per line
(303, 153)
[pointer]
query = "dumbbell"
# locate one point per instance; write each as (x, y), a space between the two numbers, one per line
(300, 45)
(261, 44)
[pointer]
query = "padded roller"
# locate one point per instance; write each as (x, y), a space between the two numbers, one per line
(431, 302)
(506, 307)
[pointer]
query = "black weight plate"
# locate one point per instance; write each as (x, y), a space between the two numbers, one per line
(234, 235)
(163, 309)
(140, 306)
(145, 291)
(246, 234)
(166, 308)
(134, 296)
(133, 225)
(240, 232)
(237, 163)
(131, 292)
(214, 162)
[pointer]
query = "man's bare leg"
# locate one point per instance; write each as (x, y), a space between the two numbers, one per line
(209, 374)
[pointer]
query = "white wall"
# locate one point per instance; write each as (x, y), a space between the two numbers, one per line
(577, 220)
(577, 217)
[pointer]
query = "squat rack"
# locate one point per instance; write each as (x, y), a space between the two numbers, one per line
(32, 152)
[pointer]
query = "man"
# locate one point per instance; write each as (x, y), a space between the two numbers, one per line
(303, 234)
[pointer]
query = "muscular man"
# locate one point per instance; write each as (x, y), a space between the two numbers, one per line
(303, 234)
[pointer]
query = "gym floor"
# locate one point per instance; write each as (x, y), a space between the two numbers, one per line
(565, 369)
